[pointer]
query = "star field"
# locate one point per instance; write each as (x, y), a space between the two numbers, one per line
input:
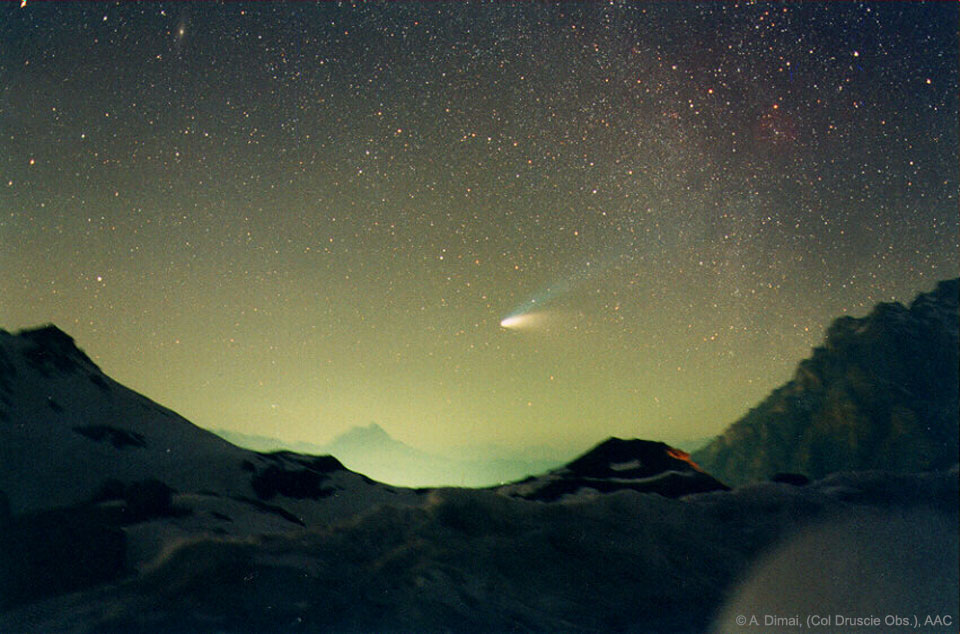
(288, 219)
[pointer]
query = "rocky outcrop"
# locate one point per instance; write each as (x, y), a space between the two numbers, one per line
(616, 465)
(880, 393)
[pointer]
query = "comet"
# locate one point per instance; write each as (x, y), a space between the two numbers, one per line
(517, 321)
(538, 309)
(513, 321)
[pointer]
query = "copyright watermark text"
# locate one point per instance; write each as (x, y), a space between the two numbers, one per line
(847, 621)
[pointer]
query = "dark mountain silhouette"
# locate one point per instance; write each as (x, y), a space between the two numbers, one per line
(615, 465)
(880, 393)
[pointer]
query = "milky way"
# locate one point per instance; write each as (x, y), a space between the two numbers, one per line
(288, 219)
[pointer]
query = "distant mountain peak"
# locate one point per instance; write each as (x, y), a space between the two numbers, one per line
(370, 436)
(375, 429)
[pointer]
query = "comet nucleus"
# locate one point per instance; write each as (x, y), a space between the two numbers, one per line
(514, 321)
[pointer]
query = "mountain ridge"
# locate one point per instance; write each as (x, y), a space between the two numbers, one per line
(879, 393)
(371, 450)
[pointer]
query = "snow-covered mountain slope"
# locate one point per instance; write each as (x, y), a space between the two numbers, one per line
(615, 465)
(69, 436)
(66, 428)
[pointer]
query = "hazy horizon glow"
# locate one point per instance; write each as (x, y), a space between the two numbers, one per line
(511, 223)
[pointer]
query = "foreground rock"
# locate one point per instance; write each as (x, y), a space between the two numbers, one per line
(479, 561)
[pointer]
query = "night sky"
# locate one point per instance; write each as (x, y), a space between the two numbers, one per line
(526, 224)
